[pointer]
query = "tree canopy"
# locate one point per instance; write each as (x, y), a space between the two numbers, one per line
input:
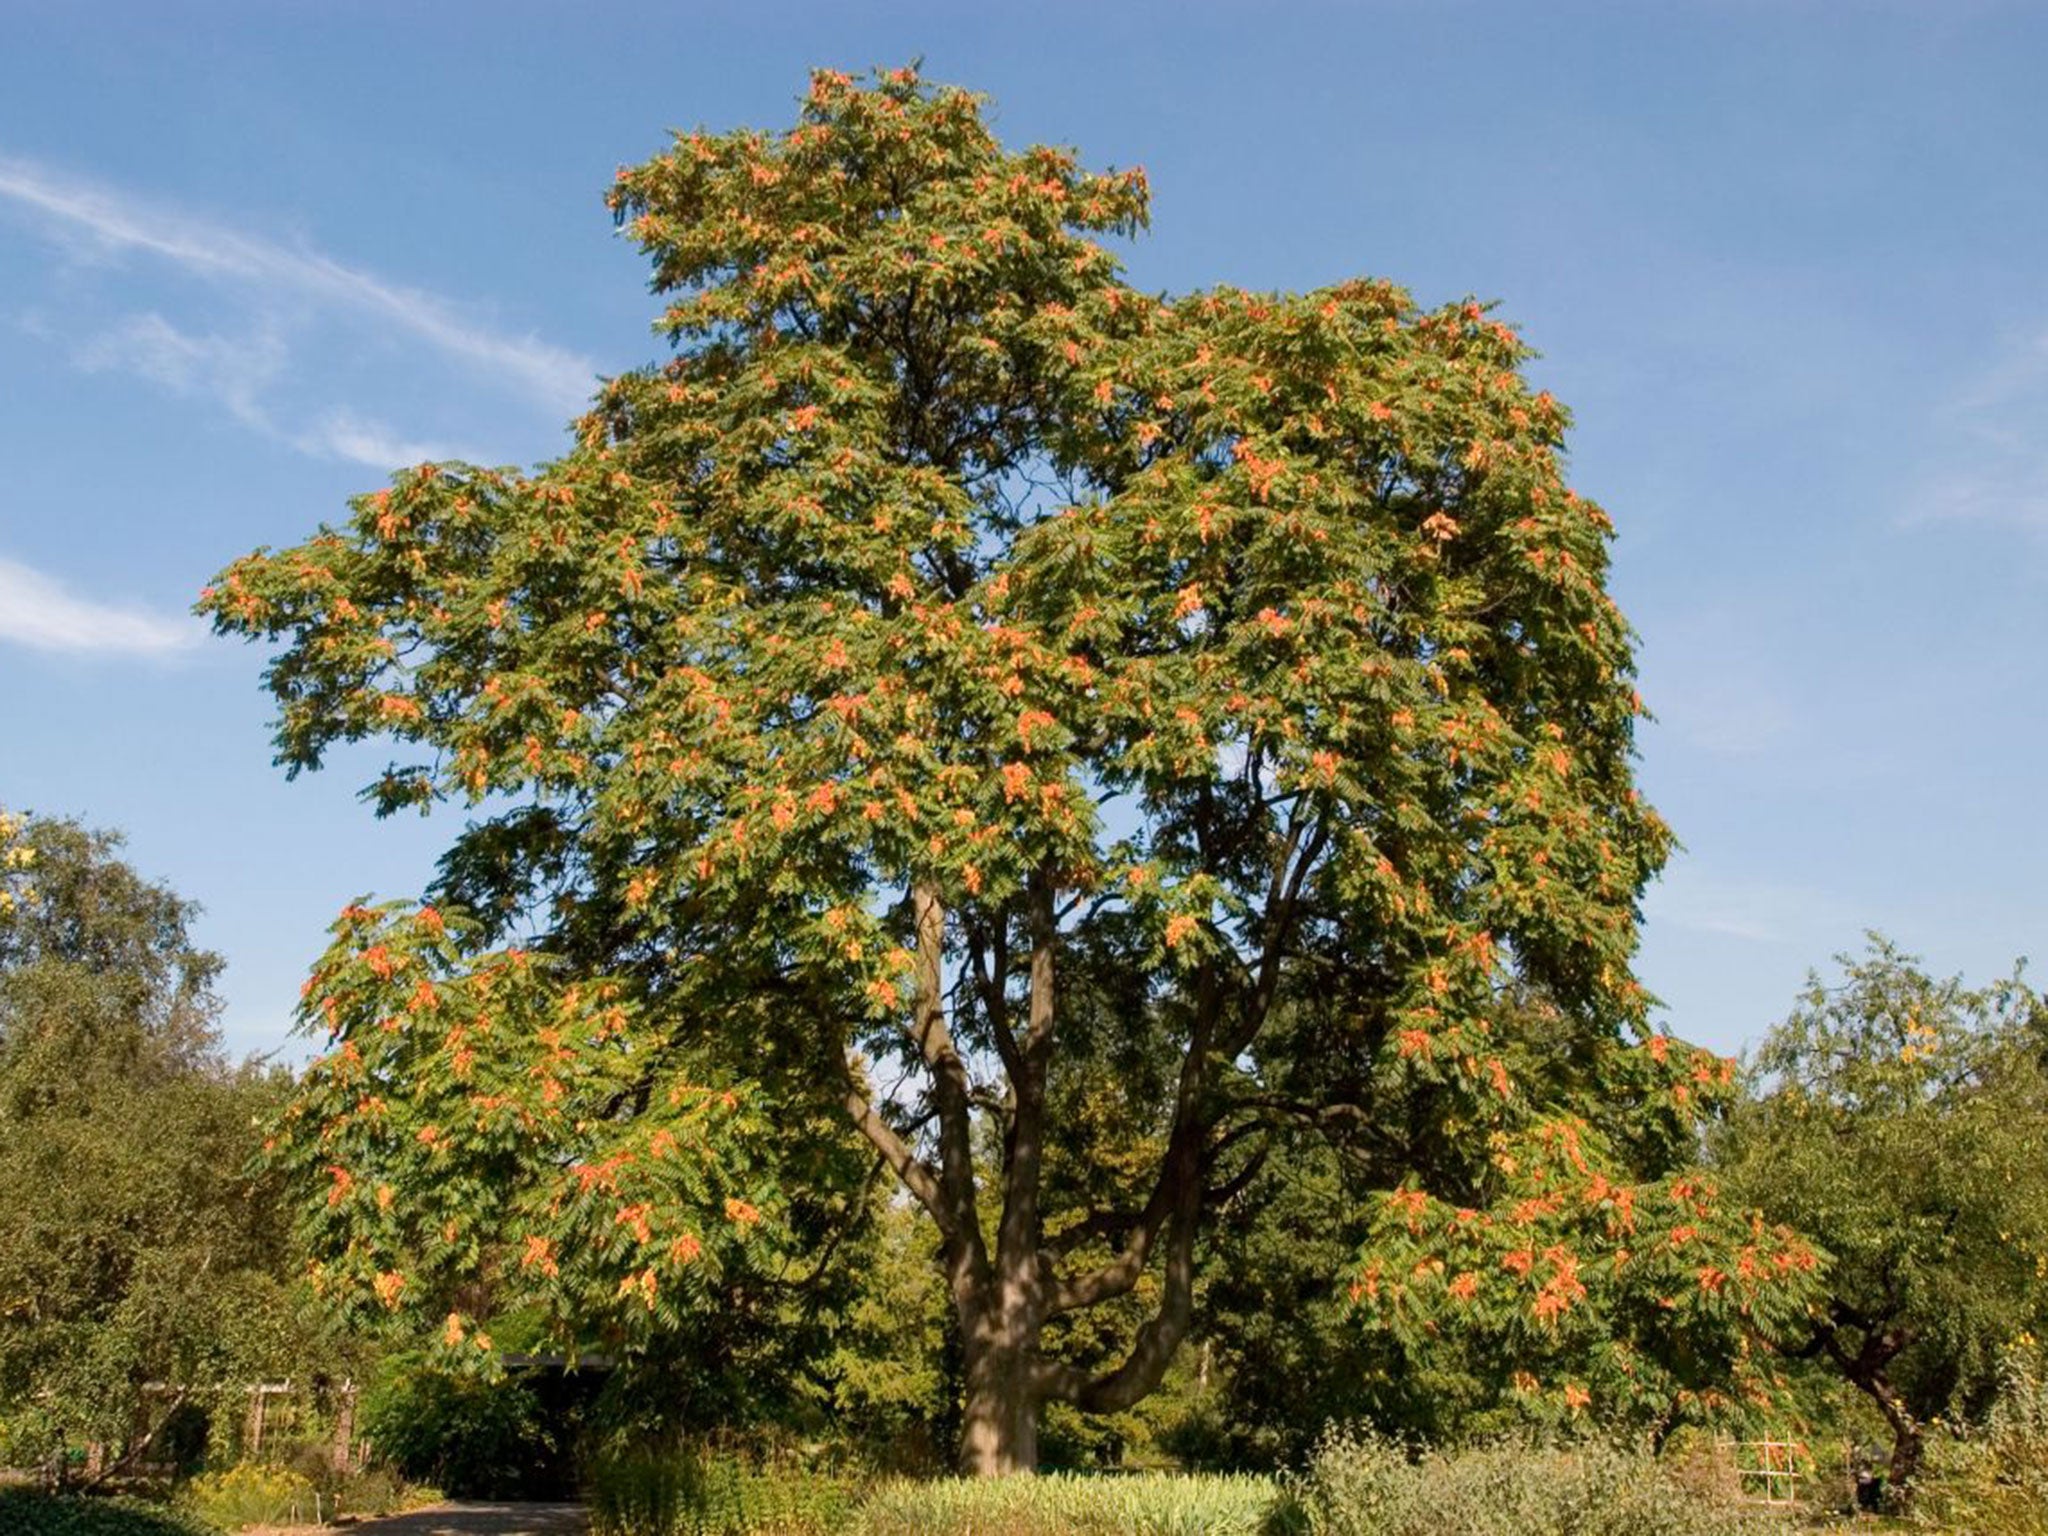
(136, 1252)
(1904, 1121)
(950, 671)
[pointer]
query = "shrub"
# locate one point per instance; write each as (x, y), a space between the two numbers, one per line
(26, 1512)
(1063, 1505)
(1363, 1485)
(1994, 1482)
(657, 1490)
(477, 1439)
(637, 1492)
(380, 1491)
(251, 1494)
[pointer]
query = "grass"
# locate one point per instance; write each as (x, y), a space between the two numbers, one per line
(1363, 1485)
(682, 1492)
(1147, 1504)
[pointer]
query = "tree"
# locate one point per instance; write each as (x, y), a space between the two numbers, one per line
(949, 666)
(1902, 1121)
(134, 1248)
(1575, 1266)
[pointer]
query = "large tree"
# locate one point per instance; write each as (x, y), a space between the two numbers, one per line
(951, 668)
(1904, 1121)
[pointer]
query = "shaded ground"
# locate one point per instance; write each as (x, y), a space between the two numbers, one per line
(479, 1520)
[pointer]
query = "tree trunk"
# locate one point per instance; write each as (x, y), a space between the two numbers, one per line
(1903, 1470)
(1003, 1319)
(999, 1414)
(1909, 1442)
(1908, 1446)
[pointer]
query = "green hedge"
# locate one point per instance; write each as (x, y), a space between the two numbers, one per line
(24, 1512)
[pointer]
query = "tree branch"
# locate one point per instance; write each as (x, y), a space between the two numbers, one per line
(916, 1175)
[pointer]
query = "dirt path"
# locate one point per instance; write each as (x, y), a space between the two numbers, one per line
(480, 1520)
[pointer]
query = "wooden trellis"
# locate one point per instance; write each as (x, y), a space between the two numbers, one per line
(1768, 1471)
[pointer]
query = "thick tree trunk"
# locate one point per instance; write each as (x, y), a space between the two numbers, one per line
(1004, 1293)
(999, 1414)
(1003, 1321)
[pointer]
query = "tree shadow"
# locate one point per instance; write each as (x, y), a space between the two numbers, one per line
(479, 1519)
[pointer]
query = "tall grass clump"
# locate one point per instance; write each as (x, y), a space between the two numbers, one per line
(1359, 1484)
(1063, 1505)
(669, 1490)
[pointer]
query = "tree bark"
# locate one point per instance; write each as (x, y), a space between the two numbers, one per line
(1003, 1292)
(1909, 1443)
(1866, 1370)
(999, 1411)
(999, 1431)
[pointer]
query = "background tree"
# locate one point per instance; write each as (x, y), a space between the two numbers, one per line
(134, 1248)
(1902, 1121)
(950, 663)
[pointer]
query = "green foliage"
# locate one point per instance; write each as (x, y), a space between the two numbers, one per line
(250, 1494)
(1902, 1120)
(1581, 1270)
(1281, 1344)
(376, 1491)
(466, 1152)
(1168, 721)
(2015, 1432)
(1631, 1304)
(1992, 1479)
(1063, 1505)
(639, 1490)
(269, 1494)
(474, 1437)
(891, 1395)
(672, 1490)
(1361, 1485)
(24, 1512)
(134, 1247)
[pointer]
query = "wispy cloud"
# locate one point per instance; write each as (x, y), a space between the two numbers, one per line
(1755, 911)
(232, 371)
(345, 435)
(37, 611)
(105, 219)
(238, 373)
(1995, 463)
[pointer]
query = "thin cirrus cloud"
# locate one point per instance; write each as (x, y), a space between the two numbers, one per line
(239, 373)
(1995, 467)
(1752, 911)
(39, 612)
(243, 371)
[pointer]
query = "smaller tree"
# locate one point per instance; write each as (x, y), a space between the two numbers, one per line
(134, 1248)
(1901, 1121)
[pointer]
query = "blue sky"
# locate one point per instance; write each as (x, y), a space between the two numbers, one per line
(1788, 262)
